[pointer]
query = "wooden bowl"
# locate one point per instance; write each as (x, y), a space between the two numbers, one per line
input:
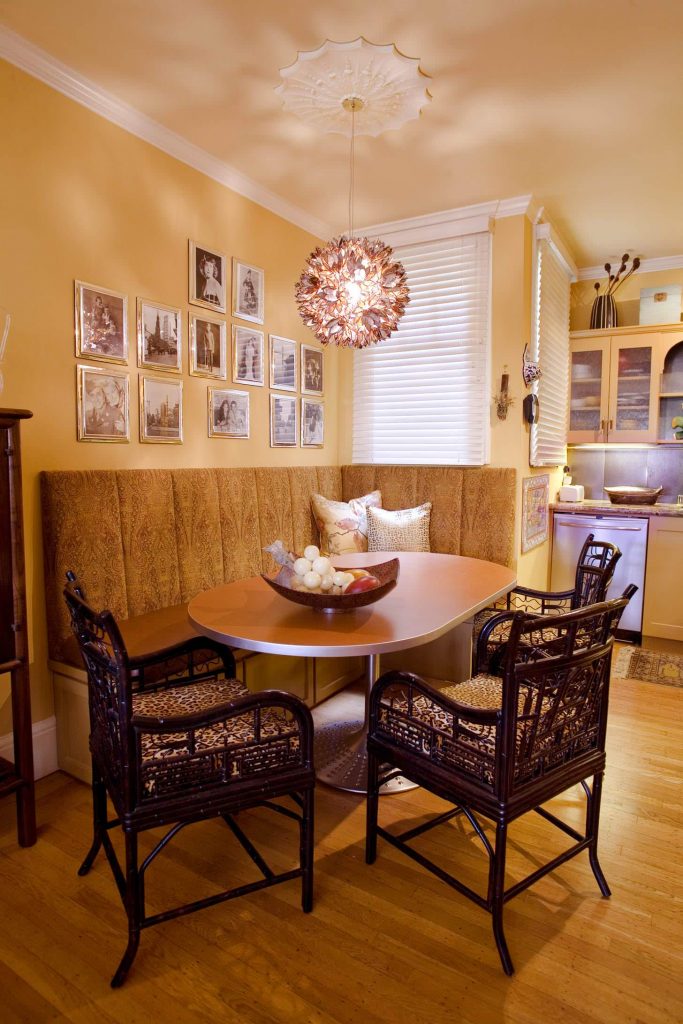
(386, 573)
(633, 495)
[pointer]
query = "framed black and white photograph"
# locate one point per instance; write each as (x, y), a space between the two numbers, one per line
(208, 347)
(228, 413)
(248, 291)
(101, 323)
(282, 363)
(159, 337)
(283, 432)
(208, 277)
(312, 423)
(311, 370)
(247, 356)
(102, 404)
(161, 410)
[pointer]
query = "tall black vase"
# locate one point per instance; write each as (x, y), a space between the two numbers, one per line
(604, 312)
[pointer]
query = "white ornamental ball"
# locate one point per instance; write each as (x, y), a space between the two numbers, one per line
(312, 580)
(322, 565)
(326, 582)
(311, 552)
(302, 566)
(339, 578)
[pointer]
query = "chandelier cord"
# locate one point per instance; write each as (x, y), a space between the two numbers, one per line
(351, 170)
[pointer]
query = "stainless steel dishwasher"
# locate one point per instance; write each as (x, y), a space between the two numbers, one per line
(570, 530)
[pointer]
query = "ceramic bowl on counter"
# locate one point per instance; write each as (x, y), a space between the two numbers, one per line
(624, 495)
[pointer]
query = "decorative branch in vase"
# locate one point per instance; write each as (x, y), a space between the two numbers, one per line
(604, 311)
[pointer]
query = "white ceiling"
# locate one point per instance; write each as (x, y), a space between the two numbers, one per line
(579, 102)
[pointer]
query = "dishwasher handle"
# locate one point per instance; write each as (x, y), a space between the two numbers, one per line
(598, 526)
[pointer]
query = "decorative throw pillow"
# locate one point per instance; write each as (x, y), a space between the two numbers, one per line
(343, 525)
(404, 530)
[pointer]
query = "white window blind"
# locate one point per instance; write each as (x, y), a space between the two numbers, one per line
(551, 351)
(422, 395)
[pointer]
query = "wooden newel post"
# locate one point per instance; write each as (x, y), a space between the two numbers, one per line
(18, 777)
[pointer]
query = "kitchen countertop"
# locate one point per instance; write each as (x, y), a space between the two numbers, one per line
(607, 508)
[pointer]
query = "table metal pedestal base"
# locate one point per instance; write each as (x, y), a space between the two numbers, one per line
(341, 749)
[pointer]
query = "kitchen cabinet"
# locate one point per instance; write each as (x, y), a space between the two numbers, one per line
(663, 608)
(614, 388)
(670, 386)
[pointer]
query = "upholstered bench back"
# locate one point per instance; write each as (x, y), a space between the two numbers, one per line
(143, 540)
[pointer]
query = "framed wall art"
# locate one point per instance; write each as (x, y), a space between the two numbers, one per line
(161, 410)
(311, 370)
(102, 404)
(535, 510)
(228, 413)
(208, 347)
(248, 291)
(283, 432)
(208, 277)
(247, 356)
(159, 337)
(282, 363)
(101, 317)
(312, 423)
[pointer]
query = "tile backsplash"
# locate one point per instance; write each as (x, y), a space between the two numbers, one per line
(651, 467)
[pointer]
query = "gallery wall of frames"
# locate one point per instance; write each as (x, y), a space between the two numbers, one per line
(234, 355)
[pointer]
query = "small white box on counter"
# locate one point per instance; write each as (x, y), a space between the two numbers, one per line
(571, 492)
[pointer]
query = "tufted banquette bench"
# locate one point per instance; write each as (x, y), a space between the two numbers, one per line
(145, 541)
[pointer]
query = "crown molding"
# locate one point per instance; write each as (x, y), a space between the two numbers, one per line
(646, 266)
(462, 220)
(40, 64)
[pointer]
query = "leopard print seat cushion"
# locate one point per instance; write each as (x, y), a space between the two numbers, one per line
(176, 759)
(455, 741)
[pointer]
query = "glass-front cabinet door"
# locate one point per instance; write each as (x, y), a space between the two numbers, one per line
(589, 391)
(633, 399)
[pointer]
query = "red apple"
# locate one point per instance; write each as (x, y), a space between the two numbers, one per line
(361, 585)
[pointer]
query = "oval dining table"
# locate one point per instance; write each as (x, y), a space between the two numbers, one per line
(434, 594)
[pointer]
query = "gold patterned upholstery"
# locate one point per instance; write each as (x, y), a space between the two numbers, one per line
(144, 541)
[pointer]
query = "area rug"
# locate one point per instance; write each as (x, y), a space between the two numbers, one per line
(651, 666)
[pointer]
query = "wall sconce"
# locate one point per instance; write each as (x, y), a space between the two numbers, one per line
(503, 399)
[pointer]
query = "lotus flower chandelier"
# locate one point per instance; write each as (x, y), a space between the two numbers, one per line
(352, 291)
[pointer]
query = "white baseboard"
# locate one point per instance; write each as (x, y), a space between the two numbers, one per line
(44, 747)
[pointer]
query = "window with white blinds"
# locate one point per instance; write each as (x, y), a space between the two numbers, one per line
(551, 350)
(422, 396)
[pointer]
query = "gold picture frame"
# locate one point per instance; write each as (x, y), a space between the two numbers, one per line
(228, 413)
(312, 423)
(208, 277)
(248, 291)
(161, 410)
(207, 346)
(102, 404)
(312, 370)
(160, 337)
(283, 421)
(101, 323)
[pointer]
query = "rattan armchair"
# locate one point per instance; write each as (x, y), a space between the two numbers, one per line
(594, 572)
(176, 739)
(500, 747)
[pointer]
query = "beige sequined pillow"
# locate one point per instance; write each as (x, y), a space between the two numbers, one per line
(407, 529)
(343, 525)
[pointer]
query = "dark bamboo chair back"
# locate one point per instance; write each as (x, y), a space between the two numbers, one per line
(594, 571)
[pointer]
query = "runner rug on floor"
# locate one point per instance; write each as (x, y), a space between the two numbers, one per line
(651, 666)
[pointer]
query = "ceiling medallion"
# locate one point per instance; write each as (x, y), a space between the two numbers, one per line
(352, 292)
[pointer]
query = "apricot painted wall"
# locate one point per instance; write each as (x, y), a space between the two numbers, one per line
(81, 198)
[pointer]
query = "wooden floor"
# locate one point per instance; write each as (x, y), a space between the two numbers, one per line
(387, 943)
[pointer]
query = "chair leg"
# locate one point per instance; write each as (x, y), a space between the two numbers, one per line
(134, 909)
(497, 893)
(592, 829)
(372, 808)
(99, 815)
(307, 834)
